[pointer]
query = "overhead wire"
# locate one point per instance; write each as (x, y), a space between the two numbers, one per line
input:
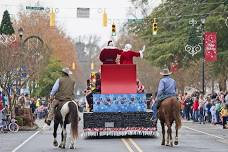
(132, 19)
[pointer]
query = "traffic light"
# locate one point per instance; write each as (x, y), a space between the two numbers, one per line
(155, 26)
(52, 18)
(92, 66)
(113, 29)
(73, 66)
(104, 19)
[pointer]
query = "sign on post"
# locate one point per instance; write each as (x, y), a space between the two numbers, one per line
(83, 12)
(34, 8)
(132, 21)
(210, 46)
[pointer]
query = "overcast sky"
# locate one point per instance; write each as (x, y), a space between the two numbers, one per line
(66, 17)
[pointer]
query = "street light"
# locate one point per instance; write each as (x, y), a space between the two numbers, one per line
(203, 20)
(21, 32)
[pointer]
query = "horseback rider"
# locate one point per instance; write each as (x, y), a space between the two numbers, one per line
(62, 91)
(166, 88)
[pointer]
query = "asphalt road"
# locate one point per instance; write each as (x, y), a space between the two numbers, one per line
(192, 138)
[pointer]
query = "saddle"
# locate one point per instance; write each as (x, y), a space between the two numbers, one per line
(58, 109)
(163, 98)
(60, 105)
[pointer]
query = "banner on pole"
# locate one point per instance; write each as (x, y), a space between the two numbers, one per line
(210, 46)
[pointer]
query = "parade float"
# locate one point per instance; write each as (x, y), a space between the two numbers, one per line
(118, 110)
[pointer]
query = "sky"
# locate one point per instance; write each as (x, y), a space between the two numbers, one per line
(66, 16)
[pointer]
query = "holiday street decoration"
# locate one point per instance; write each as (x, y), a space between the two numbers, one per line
(210, 44)
(7, 40)
(34, 45)
(7, 36)
(193, 46)
(6, 24)
(193, 22)
(193, 50)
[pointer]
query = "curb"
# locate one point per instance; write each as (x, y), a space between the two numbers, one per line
(26, 128)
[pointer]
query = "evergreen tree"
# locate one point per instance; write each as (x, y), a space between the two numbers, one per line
(6, 25)
(173, 18)
(193, 39)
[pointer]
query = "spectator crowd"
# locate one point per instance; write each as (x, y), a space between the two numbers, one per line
(37, 107)
(212, 108)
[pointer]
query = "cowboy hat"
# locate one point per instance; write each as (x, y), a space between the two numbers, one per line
(165, 72)
(67, 71)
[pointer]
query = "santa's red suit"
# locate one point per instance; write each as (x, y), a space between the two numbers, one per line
(109, 54)
(127, 56)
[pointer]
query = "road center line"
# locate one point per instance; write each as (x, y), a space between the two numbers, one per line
(127, 145)
(203, 132)
(18, 147)
(136, 146)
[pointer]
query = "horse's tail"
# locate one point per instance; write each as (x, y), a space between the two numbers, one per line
(177, 116)
(74, 118)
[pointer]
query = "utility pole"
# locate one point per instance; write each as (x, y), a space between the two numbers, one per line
(202, 60)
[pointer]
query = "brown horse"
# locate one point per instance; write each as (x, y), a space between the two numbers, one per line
(168, 112)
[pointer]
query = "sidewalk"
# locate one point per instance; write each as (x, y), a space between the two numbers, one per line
(39, 123)
(205, 124)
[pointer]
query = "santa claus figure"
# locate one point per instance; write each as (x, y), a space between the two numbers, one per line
(127, 55)
(109, 54)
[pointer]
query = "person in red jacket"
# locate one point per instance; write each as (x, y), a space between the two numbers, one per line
(196, 109)
(109, 54)
(127, 55)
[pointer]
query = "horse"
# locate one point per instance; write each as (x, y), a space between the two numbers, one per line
(66, 113)
(168, 112)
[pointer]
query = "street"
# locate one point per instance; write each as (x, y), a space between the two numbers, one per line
(193, 138)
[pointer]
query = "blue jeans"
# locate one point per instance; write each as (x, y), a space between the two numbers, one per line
(224, 121)
(196, 115)
(155, 110)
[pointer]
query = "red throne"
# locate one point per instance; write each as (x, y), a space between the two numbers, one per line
(118, 79)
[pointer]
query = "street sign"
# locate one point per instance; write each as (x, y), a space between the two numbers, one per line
(131, 21)
(34, 8)
(83, 12)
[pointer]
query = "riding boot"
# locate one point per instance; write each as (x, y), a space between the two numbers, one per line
(50, 116)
